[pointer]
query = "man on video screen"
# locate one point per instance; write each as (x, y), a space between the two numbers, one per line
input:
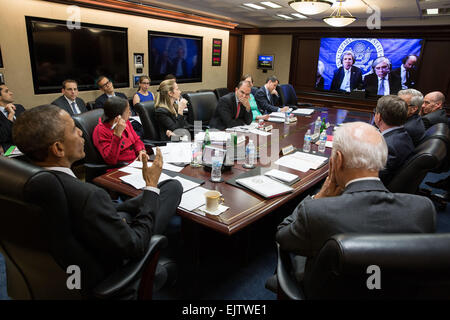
(348, 77)
(382, 81)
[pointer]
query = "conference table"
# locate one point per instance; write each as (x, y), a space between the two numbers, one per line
(245, 206)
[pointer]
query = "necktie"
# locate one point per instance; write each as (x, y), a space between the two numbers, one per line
(238, 110)
(381, 88)
(74, 108)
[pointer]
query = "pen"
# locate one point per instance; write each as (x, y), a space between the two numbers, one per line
(113, 126)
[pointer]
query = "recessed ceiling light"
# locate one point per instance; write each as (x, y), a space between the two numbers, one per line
(254, 6)
(271, 4)
(285, 16)
(300, 16)
(432, 11)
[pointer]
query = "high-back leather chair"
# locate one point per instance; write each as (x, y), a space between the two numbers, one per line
(146, 112)
(201, 106)
(411, 266)
(38, 245)
(427, 156)
(220, 92)
(94, 163)
(288, 95)
(439, 131)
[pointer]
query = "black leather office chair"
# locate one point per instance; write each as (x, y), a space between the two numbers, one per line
(94, 163)
(90, 105)
(439, 131)
(38, 245)
(288, 95)
(220, 92)
(201, 106)
(205, 90)
(146, 112)
(427, 156)
(412, 266)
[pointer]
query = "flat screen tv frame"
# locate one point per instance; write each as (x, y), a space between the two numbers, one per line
(81, 87)
(157, 80)
(265, 55)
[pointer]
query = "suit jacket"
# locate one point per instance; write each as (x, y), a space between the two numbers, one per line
(264, 104)
(363, 207)
(98, 224)
(438, 116)
(63, 104)
(225, 114)
(400, 148)
(168, 121)
(371, 84)
(100, 101)
(415, 128)
(411, 77)
(183, 68)
(6, 128)
(355, 78)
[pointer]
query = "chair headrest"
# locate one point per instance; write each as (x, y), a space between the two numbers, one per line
(87, 121)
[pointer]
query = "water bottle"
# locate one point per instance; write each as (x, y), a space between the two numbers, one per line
(216, 171)
(322, 141)
(286, 117)
(317, 125)
(307, 142)
(250, 154)
(196, 154)
(206, 140)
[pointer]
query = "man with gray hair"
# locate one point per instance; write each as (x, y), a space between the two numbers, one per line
(390, 116)
(414, 125)
(382, 81)
(352, 200)
(348, 77)
(433, 109)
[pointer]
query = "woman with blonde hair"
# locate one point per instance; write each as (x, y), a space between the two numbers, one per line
(143, 94)
(169, 108)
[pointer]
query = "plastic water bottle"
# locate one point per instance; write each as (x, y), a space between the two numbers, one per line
(216, 171)
(287, 114)
(307, 142)
(196, 154)
(250, 154)
(317, 125)
(322, 141)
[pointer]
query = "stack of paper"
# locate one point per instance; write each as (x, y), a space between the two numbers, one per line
(193, 199)
(281, 175)
(176, 152)
(275, 119)
(138, 164)
(303, 112)
(301, 161)
(264, 186)
(138, 182)
(219, 136)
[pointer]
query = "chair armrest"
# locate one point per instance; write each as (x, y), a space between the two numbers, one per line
(104, 165)
(286, 283)
(124, 283)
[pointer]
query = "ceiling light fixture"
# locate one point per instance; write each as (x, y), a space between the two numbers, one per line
(271, 4)
(300, 16)
(433, 11)
(337, 19)
(285, 16)
(254, 6)
(310, 7)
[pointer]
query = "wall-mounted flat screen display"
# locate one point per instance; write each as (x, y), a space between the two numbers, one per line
(378, 66)
(265, 62)
(82, 53)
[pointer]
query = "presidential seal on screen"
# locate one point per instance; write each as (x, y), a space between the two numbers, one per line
(365, 50)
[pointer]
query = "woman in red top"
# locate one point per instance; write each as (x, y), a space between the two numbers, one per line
(114, 135)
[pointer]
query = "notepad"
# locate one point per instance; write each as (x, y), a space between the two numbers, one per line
(303, 112)
(301, 161)
(275, 119)
(281, 175)
(193, 199)
(265, 186)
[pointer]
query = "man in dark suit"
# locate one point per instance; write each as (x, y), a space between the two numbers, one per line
(352, 200)
(407, 71)
(433, 109)
(8, 115)
(179, 64)
(69, 101)
(348, 77)
(106, 86)
(267, 97)
(381, 82)
(233, 109)
(390, 116)
(111, 233)
(414, 124)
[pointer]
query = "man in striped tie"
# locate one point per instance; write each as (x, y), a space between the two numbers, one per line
(69, 101)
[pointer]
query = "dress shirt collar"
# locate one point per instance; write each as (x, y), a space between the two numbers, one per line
(69, 101)
(3, 110)
(390, 129)
(62, 169)
(362, 179)
(111, 95)
(386, 77)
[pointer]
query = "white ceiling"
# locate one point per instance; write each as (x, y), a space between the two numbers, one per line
(393, 12)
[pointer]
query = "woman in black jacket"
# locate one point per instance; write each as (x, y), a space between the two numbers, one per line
(169, 108)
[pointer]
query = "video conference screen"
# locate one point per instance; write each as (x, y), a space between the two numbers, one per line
(265, 62)
(378, 66)
(176, 54)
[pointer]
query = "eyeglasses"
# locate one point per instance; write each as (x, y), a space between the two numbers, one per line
(145, 82)
(382, 68)
(106, 84)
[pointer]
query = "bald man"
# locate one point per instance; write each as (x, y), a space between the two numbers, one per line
(433, 109)
(352, 199)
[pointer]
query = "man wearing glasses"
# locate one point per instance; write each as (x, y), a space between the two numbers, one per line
(382, 82)
(106, 86)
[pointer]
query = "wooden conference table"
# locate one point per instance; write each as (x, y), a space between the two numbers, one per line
(245, 207)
